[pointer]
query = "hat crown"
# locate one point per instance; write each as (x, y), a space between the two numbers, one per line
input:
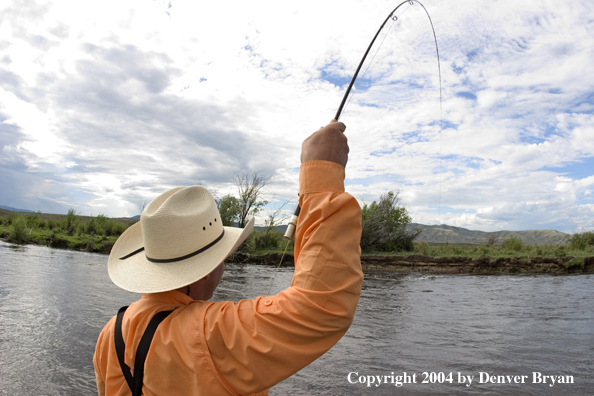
(179, 223)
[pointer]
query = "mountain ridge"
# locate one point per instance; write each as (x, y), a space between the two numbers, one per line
(444, 233)
(437, 234)
(15, 210)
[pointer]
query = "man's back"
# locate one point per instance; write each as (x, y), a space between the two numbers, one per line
(242, 348)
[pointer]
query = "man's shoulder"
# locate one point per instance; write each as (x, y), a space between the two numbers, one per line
(109, 326)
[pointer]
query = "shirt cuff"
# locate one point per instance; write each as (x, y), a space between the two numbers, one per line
(320, 176)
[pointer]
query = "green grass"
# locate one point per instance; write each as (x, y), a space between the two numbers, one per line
(506, 250)
(70, 231)
(59, 217)
(510, 249)
(100, 233)
(513, 248)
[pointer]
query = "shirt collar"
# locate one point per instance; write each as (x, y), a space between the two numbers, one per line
(169, 297)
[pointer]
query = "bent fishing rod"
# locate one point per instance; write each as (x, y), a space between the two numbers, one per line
(290, 232)
(291, 227)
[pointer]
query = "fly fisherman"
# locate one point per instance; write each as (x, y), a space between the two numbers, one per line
(173, 341)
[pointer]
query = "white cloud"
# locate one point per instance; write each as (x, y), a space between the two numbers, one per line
(105, 105)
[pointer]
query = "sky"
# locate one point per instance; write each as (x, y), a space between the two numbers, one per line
(105, 105)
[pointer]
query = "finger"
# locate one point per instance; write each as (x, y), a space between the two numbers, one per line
(338, 124)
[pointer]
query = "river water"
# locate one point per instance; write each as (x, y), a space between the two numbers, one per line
(53, 304)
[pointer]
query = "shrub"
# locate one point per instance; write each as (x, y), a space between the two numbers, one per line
(560, 251)
(34, 221)
(576, 262)
(485, 250)
(52, 224)
(109, 227)
(422, 247)
(267, 240)
(70, 222)
(582, 240)
(90, 227)
(19, 232)
(31, 220)
(115, 229)
(104, 226)
(10, 217)
(384, 225)
(103, 222)
(513, 243)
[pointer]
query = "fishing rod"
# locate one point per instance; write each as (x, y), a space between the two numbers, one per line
(290, 232)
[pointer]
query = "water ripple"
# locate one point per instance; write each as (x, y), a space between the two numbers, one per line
(53, 304)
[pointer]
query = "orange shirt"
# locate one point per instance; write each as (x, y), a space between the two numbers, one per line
(227, 348)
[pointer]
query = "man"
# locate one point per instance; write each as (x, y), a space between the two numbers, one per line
(174, 257)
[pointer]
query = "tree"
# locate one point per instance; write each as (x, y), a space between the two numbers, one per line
(142, 205)
(70, 221)
(581, 241)
(513, 243)
(250, 188)
(229, 209)
(385, 225)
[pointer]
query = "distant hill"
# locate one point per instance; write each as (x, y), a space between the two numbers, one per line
(128, 221)
(15, 210)
(458, 235)
(438, 234)
(441, 234)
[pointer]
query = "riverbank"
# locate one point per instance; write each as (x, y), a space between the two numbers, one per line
(371, 263)
(446, 265)
(85, 243)
(73, 232)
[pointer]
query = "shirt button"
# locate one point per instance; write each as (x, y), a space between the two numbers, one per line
(268, 301)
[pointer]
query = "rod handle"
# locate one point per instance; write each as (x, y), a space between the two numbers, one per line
(290, 232)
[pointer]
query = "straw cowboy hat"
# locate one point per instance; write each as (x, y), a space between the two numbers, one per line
(179, 239)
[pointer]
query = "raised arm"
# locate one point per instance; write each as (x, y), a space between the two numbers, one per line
(257, 343)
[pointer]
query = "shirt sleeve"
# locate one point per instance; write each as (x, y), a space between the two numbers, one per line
(100, 384)
(99, 378)
(257, 343)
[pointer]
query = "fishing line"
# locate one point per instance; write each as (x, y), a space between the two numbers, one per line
(293, 221)
(391, 15)
(279, 264)
(369, 64)
(394, 20)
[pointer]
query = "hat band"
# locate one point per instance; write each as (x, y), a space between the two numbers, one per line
(187, 256)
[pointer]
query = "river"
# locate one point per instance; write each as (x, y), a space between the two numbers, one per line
(53, 304)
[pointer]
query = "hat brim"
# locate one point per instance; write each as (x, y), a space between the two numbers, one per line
(138, 275)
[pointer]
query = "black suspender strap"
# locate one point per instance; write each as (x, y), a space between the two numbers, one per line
(121, 348)
(135, 383)
(143, 348)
